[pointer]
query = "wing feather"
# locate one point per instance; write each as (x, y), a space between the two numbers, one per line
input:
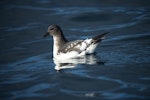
(72, 46)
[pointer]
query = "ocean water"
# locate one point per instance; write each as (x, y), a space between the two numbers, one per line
(120, 69)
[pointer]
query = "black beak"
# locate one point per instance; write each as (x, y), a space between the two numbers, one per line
(46, 34)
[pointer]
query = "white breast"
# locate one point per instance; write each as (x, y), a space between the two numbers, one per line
(55, 47)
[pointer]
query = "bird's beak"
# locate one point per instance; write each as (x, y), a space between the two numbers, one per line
(46, 34)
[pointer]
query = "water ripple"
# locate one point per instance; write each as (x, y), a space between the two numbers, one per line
(115, 96)
(28, 7)
(107, 93)
(34, 62)
(74, 10)
(104, 27)
(19, 78)
(34, 91)
(34, 77)
(129, 37)
(77, 10)
(139, 87)
(20, 28)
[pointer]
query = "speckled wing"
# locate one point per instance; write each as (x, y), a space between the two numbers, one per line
(72, 46)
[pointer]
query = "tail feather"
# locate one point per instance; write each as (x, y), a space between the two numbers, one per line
(99, 37)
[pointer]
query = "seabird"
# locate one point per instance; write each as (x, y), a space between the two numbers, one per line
(62, 48)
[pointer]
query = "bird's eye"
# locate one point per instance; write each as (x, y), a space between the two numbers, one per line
(51, 28)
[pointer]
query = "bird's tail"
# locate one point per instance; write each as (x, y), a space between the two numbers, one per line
(99, 37)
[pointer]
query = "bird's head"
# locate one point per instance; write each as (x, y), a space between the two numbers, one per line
(53, 30)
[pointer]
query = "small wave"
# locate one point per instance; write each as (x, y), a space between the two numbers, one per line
(20, 28)
(115, 96)
(145, 78)
(43, 1)
(110, 93)
(31, 63)
(105, 27)
(35, 41)
(74, 10)
(19, 78)
(132, 36)
(34, 91)
(28, 7)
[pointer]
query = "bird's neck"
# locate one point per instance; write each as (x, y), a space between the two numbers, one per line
(59, 41)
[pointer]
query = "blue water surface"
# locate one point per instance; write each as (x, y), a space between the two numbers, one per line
(120, 69)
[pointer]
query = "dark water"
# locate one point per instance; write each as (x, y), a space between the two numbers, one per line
(119, 71)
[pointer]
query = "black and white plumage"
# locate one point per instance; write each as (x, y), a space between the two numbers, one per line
(63, 48)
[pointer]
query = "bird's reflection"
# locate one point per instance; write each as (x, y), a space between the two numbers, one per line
(71, 63)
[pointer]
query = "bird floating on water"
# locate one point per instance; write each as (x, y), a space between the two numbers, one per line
(62, 48)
